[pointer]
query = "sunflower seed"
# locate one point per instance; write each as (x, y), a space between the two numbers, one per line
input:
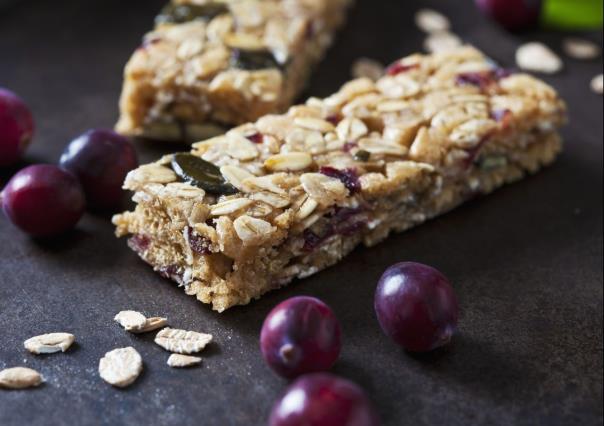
(182, 341)
(537, 57)
(179, 360)
(49, 343)
(120, 367)
(19, 378)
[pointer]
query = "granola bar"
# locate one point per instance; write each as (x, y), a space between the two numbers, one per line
(292, 194)
(214, 63)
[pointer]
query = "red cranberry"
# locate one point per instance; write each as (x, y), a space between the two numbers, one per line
(16, 127)
(323, 399)
(398, 68)
(101, 159)
(256, 137)
(348, 177)
(43, 200)
(416, 306)
(512, 14)
(300, 335)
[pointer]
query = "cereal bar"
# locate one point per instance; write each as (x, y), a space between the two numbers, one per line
(214, 63)
(292, 194)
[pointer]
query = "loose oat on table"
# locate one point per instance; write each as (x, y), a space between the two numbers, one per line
(182, 341)
(210, 65)
(579, 48)
(431, 21)
(131, 320)
(537, 57)
(597, 84)
(369, 68)
(121, 367)
(310, 185)
(441, 42)
(49, 343)
(19, 378)
(180, 361)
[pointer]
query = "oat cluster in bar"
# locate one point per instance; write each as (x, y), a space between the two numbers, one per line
(211, 63)
(292, 194)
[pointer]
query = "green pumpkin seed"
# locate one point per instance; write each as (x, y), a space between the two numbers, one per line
(253, 59)
(179, 13)
(201, 173)
(362, 155)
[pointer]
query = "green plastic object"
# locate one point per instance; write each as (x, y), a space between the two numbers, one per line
(572, 14)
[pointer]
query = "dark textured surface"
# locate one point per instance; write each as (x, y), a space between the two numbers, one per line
(526, 262)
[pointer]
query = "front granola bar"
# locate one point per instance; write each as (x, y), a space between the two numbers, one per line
(291, 194)
(211, 63)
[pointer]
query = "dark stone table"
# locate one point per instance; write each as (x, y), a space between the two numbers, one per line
(526, 262)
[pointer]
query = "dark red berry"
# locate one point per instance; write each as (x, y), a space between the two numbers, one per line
(398, 68)
(300, 335)
(348, 177)
(101, 159)
(323, 399)
(16, 127)
(416, 306)
(43, 200)
(512, 14)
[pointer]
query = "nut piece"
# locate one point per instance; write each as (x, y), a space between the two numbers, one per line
(431, 21)
(579, 48)
(182, 341)
(538, 57)
(49, 343)
(131, 320)
(179, 360)
(120, 367)
(19, 378)
(596, 84)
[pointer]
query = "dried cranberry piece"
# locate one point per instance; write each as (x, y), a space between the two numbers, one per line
(348, 146)
(351, 228)
(398, 68)
(334, 118)
(139, 243)
(311, 240)
(256, 137)
(348, 177)
(482, 79)
(503, 116)
(199, 244)
(170, 272)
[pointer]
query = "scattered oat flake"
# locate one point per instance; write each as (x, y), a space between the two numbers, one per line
(179, 360)
(537, 57)
(368, 68)
(441, 42)
(49, 343)
(431, 21)
(596, 84)
(19, 378)
(131, 320)
(182, 341)
(579, 48)
(152, 324)
(120, 367)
